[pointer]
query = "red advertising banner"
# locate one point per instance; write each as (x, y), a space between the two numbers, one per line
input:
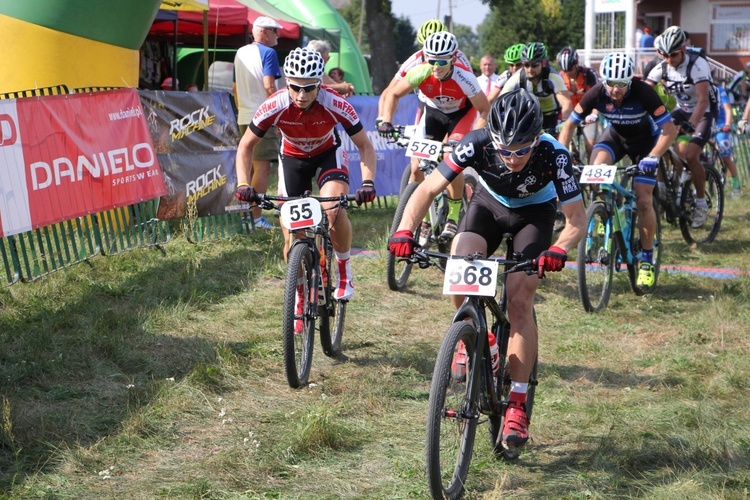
(67, 156)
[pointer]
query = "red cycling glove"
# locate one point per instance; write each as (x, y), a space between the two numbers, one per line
(551, 260)
(402, 244)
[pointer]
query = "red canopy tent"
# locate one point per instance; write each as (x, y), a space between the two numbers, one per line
(229, 24)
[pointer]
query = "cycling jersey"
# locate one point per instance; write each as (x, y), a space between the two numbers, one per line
(584, 80)
(721, 118)
(640, 115)
(548, 173)
(449, 95)
(502, 79)
(306, 132)
(682, 86)
(544, 90)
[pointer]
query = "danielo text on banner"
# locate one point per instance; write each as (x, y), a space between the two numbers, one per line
(73, 155)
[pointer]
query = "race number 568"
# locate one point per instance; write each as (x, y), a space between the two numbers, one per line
(478, 277)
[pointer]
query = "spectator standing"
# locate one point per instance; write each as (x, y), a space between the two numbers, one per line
(488, 65)
(256, 68)
(647, 39)
(324, 48)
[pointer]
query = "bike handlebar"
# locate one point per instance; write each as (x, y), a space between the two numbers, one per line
(426, 258)
(266, 201)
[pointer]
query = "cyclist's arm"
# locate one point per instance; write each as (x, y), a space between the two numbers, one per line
(566, 105)
(368, 160)
(389, 98)
(419, 202)
(480, 102)
(727, 114)
(575, 224)
(666, 139)
(701, 89)
(244, 161)
(569, 126)
(494, 94)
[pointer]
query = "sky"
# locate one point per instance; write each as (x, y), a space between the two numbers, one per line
(468, 12)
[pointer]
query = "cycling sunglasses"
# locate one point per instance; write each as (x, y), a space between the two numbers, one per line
(671, 54)
(438, 62)
(617, 84)
(518, 152)
(307, 88)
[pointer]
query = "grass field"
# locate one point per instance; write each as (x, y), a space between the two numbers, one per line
(148, 375)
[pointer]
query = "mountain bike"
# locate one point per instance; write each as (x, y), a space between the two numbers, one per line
(398, 270)
(612, 237)
(677, 200)
(462, 399)
(309, 285)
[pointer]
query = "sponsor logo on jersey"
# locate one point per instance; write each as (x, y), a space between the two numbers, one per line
(569, 185)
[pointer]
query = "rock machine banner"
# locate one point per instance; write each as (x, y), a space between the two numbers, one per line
(195, 135)
(67, 156)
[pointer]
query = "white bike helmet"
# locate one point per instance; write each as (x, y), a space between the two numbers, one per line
(567, 58)
(617, 66)
(672, 39)
(440, 44)
(304, 63)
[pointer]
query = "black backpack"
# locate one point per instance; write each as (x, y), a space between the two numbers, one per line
(693, 54)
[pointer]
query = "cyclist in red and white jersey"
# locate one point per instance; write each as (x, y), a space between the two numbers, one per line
(307, 113)
(455, 105)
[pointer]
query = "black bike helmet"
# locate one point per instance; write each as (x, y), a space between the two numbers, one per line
(515, 118)
(535, 51)
(567, 58)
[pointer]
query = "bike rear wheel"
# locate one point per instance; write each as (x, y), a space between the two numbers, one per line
(715, 200)
(397, 271)
(596, 257)
(298, 347)
(331, 342)
(451, 417)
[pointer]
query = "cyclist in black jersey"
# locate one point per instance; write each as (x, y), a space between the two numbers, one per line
(522, 172)
(640, 127)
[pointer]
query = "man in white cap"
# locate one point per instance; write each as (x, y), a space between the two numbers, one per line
(256, 68)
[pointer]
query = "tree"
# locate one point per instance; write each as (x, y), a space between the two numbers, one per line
(380, 24)
(406, 38)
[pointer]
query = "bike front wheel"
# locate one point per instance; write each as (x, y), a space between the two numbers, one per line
(298, 322)
(715, 201)
(596, 257)
(398, 270)
(452, 416)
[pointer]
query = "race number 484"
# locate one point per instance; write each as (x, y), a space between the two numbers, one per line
(478, 277)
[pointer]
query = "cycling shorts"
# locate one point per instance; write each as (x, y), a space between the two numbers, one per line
(531, 225)
(702, 131)
(438, 125)
(296, 174)
(724, 144)
(636, 149)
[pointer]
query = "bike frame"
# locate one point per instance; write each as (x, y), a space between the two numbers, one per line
(620, 225)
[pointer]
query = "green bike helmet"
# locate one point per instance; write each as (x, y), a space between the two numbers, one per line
(513, 53)
(428, 28)
(535, 51)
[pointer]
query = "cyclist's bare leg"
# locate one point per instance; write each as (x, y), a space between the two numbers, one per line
(646, 215)
(523, 344)
(456, 188)
(416, 174)
(341, 227)
(691, 153)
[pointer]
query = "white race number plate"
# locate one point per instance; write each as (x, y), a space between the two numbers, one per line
(300, 214)
(424, 149)
(478, 277)
(598, 174)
